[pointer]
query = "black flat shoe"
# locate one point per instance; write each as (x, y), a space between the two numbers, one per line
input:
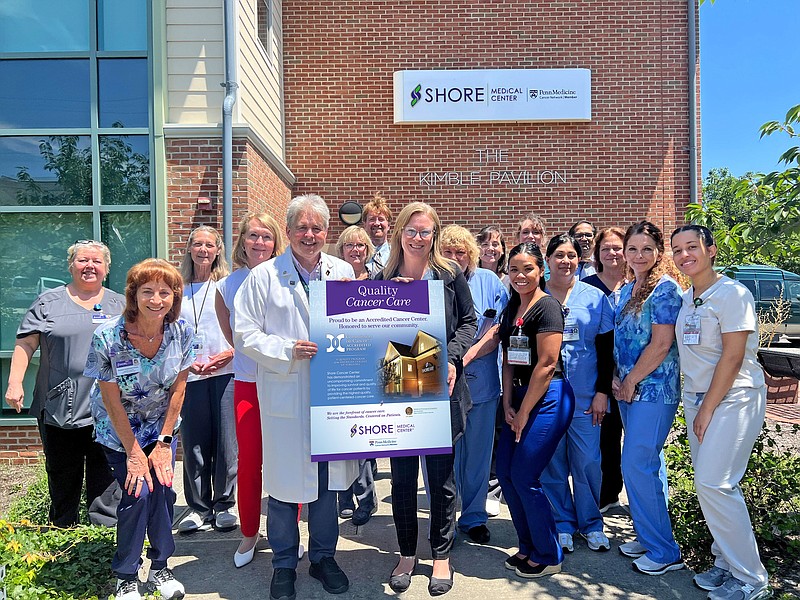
(479, 534)
(439, 587)
(513, 561)
(400, 583)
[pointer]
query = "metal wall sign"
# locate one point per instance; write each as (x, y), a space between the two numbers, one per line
(492, 95)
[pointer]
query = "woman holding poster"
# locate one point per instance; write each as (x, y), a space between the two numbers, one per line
(416, 255)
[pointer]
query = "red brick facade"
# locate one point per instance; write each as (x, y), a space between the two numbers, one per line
(194, 169)
(630, 161)
(20, 444)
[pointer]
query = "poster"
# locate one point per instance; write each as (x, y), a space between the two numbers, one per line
(379, 378)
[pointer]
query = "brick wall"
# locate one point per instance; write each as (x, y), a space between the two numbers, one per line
(194, 169)
(629, 162)
(20, 444)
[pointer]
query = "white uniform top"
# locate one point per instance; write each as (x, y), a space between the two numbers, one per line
(199, 309)
(727, 306)
(244, 367)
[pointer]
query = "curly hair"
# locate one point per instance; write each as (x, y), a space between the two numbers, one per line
(657, 271)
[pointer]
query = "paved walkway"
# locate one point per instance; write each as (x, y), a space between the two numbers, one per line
(203, 561)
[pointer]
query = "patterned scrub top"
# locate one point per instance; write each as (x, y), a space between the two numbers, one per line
(633, 332)
(144, 394)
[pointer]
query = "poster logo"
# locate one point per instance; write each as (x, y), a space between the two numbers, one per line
(335, 342)
(415, 95)
(353, 431)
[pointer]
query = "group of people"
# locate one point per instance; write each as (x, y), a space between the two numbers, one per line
(563, 342)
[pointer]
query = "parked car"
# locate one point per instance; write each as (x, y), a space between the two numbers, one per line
(767, 284)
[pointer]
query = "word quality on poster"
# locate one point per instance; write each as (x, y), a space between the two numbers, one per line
(379, 379)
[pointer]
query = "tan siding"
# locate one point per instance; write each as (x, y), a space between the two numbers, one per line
(195, 61)
(259, 83)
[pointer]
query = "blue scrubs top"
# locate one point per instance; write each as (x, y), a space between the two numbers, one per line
(589, 313)
(633, 332)
(483, 376)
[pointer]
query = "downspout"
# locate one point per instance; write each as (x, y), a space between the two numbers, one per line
(693, 197)
(230, 86)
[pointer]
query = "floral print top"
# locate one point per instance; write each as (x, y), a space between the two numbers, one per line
(633, 332)
(145, 392)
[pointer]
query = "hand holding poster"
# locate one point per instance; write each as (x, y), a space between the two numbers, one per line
(379, 379)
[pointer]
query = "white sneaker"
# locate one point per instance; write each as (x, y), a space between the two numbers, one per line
(127, 589)
(651, 567)
(191, 522)
(164, 581)
(736, 589)
(492, 507)
(225, 519)
(565, 541)
(300, 551)
(711, 579)
(632, 549)
(597, 541)
(609, 506)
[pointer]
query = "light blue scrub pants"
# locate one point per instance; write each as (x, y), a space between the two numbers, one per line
(647, 425)
(577, 454)
(472, 462)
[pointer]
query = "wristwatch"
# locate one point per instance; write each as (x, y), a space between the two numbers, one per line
(167, 439)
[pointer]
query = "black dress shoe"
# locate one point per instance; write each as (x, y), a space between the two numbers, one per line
(362, 515)
(332, 577)
(479, 534)
(400, 583)
(282, 586)
(439, 587)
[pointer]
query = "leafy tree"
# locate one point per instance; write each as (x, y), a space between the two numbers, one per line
(756, 218)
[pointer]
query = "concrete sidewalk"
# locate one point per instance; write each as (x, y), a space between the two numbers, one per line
(203, 561)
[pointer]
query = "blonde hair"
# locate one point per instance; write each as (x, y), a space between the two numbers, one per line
(435, 259)
(354, 233)
(239, 256)
(80, 244)
(377, 206)
(219, 268)
(455, 236)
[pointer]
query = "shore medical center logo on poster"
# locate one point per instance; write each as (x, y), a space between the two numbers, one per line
(492, 95)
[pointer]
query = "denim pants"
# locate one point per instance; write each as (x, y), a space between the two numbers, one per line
(519, 469)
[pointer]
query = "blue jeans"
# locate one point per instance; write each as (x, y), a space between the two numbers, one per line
(519, 469)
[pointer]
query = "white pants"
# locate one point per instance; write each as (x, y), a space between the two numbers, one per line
(719, 465)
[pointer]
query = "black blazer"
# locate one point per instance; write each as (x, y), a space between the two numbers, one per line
(461, 325)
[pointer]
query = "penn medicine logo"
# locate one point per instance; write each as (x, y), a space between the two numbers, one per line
(335, 342)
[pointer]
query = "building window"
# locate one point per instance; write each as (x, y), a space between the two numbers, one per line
(267, 34)
(76, 138)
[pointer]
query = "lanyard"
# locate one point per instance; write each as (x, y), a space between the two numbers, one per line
(194, 307)
(304, 283)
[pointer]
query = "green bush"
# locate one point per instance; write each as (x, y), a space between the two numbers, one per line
(771, 488)
(60, 564)
(44, 562)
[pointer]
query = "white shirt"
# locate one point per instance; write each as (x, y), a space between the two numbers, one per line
(727, 306)
(198, 308)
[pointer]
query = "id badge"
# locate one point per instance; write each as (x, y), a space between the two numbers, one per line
(99, 318)
(519, 353)
(125, 364)
(691, 330)
(198, 343)
(571, 331)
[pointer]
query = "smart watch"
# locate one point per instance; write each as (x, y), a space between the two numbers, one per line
(167, 439)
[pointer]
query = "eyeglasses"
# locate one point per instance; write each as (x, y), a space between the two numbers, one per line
(357, 246)
(583, 235)
(411, 233)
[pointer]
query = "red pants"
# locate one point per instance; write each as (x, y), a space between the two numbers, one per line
(248, 436)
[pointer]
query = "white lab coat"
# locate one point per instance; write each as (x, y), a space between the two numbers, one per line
(272, 313)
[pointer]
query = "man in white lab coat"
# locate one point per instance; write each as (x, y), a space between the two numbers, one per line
(272, 315)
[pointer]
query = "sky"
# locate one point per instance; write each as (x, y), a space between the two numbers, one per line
(749, 74)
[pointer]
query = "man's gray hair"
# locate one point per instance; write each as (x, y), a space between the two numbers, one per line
(307, 202)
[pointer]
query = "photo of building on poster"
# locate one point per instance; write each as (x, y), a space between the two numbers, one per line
(379, 378)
